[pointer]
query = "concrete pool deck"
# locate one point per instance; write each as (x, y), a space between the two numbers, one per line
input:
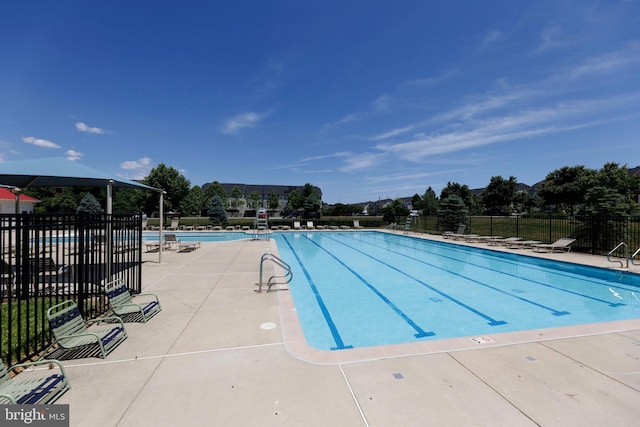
(221, 354)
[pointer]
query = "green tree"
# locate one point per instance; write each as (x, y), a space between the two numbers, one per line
(295, 200)
(312, 207)
(604, 209)
(273, 201)
(194, 202)
(393, 210)
(216, 211)
(460, 190)
(498, 196)
(128, 200)
(430, 201)
(452, 212)
(253, 200)
(566, 186)
(417, 202)
(216, 188)
(172, 182)
(235, 201)
(616, 178)
(62, 202)
(89, 205)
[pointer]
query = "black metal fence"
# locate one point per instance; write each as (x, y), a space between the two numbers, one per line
(46, 259)
(596, 235)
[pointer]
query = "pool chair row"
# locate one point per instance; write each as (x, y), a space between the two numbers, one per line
(33, 383)
(560, 245)
(99, 337)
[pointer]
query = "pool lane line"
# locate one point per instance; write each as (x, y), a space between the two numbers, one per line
(531, 261)
(323, 308)
(536, 268)
(552, 310)
(421, 333)
(492, 321)
(477, 282)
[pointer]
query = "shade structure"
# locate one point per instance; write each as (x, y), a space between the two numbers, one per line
(61, 172)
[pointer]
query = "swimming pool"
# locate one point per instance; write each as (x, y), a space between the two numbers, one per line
(197, 236)
(360, 289)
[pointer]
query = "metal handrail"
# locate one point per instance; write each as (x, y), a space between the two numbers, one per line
(633, 257)
(273, 280)
(626, 254)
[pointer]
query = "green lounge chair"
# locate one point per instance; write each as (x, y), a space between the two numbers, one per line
(29, 388)
(123, 304)
(71, 332)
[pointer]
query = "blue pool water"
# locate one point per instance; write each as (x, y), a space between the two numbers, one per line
(357, 289)
(196, 236)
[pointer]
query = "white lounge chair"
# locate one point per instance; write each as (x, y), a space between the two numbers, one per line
(296, 225)
(559, 245)
(310, 225)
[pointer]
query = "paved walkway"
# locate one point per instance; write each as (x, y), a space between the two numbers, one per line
(218, 354)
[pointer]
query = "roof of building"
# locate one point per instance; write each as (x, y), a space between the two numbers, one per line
(6, 194)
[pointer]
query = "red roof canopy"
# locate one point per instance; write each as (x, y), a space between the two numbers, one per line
(6, 194)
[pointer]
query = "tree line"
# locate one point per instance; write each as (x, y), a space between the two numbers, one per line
(570, 190)
(180, 198)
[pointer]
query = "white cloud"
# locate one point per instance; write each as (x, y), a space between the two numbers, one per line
(432, 81)
(81, 127)
(359, 162)
(136, 164)
(552, 38)
(242, 121)
(607, 63)
(392, 133)
(491, 39)
(73, 155)
(137, 169)
(552, 119)
(44, 143)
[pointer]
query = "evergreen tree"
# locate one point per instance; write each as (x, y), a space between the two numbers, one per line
(89, 205)
(216, 211)
(452, 212)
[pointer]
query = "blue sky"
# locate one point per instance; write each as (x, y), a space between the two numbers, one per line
(365, 99)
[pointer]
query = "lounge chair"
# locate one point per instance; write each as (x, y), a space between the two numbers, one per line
(188, 246)
(171, 241)
(310, 225)
(174, 225)
(521, 244)
(502, 241)
(450, 234)
(30, 388)
(71, 332)
(559, 245)
(356, 224)
(46, 274)
(296, 225)
(7, 279)
(140, 306)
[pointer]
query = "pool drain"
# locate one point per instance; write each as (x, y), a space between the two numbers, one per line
(268, 326)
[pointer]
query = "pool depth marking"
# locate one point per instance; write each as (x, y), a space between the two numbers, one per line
(325, 312)
(492, 321)
(506, 260)
(421, 332)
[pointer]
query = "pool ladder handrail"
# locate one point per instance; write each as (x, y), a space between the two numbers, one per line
(626, 254)
(273, 280)
(633, 257)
